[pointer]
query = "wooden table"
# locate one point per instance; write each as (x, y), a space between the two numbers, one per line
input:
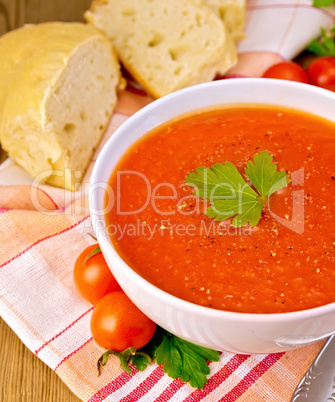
(24, 377)
(15, 13)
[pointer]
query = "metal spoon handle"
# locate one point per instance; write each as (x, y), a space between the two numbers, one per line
(318, 384)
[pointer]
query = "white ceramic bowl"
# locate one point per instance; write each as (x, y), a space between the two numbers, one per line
(221, 330)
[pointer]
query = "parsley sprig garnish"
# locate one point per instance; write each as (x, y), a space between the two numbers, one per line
(184, 360)
(179, 358)
(323, 3)
(231, 196)
(325, 45)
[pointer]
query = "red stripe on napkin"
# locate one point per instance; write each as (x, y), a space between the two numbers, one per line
(218, 378)
(113, 386)
(49, 197)
(283, 6)
(169, 391)
(253, 375)
(64, 330)
(74, 352)
(43, 239)
(145, 386)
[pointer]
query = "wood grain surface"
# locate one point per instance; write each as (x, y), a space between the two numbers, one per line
(15, 13)
(24, 377)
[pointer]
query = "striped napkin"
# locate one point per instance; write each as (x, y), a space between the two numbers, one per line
(44, 229)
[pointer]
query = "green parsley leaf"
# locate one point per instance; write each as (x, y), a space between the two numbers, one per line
(194, 367)
(323, 3)
(264, 176)
(224, 186)
(325, 46)
(184, 360)
(246, 210)
(168, 355)
(217, 182)
(229, 194)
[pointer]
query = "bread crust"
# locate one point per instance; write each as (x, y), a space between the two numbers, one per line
(166, 45)
(61, 81)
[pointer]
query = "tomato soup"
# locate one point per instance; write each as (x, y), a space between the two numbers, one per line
(158, 226)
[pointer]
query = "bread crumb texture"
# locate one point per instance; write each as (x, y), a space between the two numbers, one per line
(168, 44)
(58, 90)
(232, 14)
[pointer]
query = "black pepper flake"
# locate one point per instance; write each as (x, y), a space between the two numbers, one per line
(333, 177)
(188, 249)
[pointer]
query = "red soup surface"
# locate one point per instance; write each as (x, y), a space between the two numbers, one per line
(285, 263)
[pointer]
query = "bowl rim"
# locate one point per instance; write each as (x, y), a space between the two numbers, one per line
(106, 243)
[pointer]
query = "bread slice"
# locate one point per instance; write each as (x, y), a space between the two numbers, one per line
(60, 88)
(166, 45)
(231, 12)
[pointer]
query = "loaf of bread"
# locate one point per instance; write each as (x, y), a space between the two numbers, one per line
(231, 12)
(166, 45)
(58, 90)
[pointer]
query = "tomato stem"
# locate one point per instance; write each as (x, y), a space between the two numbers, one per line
(125, 358)
(97, 250)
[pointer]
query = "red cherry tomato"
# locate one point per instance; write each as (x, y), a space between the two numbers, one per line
(321, 72)
(117, 324)
(287, 70)
(93, 278)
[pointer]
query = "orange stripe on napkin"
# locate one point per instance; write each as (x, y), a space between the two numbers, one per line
(21, 231)
(284, 375)
(20, 197)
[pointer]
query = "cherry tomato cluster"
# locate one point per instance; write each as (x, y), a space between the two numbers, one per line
(116, 323)
(320, 72)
